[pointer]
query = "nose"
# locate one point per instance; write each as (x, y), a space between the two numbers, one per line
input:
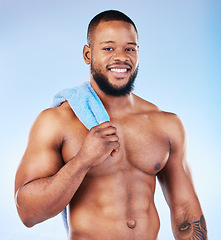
(120, 56)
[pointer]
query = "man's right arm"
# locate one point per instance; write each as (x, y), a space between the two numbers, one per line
(44, 185)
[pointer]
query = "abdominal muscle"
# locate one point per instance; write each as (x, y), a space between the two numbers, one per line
(117, 206)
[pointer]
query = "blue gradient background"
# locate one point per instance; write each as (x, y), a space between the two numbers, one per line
(180, 67)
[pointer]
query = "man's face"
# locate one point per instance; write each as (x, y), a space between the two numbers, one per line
(114, 57)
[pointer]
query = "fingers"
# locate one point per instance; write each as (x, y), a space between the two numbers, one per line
(115, 151)
(105, 129)
(108, 133)
(105, 124)
(112, 138)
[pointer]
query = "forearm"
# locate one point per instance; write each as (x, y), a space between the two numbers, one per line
(189, 223)
(44, 198)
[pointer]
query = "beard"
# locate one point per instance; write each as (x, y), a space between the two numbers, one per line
(110, 89)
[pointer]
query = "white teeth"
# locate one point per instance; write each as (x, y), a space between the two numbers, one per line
(119, 70)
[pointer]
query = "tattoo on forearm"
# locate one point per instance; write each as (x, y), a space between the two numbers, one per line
(192, 230)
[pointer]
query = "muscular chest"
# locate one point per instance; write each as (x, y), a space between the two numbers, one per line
(143, 146)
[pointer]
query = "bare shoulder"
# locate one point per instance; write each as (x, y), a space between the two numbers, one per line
(58, 113)
(168, 122)
(51, 126)
(44, 144)
(174, 127)
(144, 106)
(54, 118)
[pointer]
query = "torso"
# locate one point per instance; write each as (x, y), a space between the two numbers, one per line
(116, 198)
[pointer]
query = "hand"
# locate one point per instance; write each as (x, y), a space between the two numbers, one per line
(101, 142)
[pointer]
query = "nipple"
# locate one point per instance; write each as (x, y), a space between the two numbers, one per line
(157, 166)
(131, 223)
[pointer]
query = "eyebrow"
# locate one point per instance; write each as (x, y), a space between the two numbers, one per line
(132, 43)
(106, 42)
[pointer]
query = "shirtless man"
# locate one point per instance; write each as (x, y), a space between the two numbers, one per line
(108, 175)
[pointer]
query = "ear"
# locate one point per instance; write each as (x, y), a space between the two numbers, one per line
(87, 54)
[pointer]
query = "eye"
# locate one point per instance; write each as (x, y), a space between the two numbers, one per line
(130, 50)
(108, 49)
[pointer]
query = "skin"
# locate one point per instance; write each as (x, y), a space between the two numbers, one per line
(108, 175)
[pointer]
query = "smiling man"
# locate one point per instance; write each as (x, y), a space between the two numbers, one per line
(117, 67)
(107, 175)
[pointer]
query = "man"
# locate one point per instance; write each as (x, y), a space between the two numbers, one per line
(108, 175)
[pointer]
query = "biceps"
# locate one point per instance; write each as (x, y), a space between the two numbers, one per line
(37, 164)
(177, 184)
(182, 190)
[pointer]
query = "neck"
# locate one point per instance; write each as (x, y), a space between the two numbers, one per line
(115, 106)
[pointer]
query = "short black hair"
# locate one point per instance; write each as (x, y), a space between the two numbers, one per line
(106, 16)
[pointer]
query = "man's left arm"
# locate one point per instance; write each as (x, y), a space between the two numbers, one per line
(187, 218)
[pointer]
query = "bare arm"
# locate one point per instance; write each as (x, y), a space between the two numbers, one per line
(186, 214)
(44, 185)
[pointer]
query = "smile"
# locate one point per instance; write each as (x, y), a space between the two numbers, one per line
(119, 70)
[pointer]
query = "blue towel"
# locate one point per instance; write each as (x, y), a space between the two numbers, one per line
(85, 103)
(88, 108)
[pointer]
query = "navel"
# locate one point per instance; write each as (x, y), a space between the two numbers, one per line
(131, 224)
